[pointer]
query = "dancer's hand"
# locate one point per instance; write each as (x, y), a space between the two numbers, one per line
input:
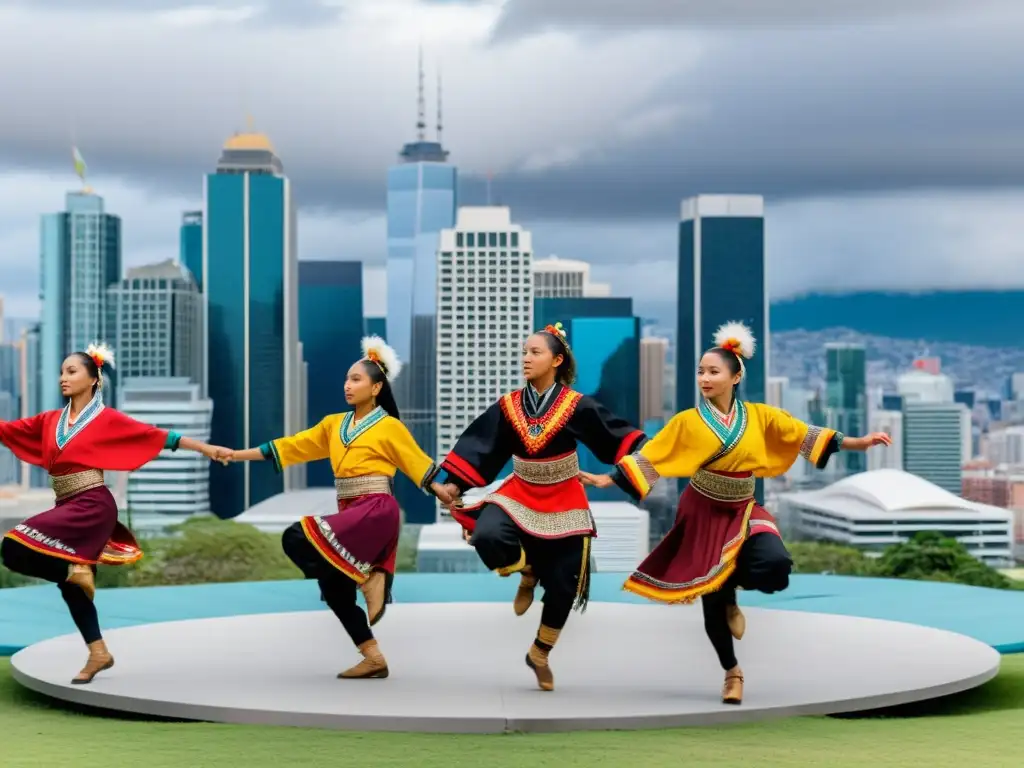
(596, 481)
(446, 492)
(868, 441)
(217, 453)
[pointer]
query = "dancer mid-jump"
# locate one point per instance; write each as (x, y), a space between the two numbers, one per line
(722, 539)
(538, 522)
(76, 445)
(357, 546)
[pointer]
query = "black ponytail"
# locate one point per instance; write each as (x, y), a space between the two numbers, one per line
(386, 397)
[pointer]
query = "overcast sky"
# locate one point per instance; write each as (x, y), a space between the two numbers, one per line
(886, 135)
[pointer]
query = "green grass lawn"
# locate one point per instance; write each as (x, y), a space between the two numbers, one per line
(980, 728)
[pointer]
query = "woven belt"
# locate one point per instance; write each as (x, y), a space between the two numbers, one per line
(722, 487)
(69, 485)
(353, 487)
(547, 472)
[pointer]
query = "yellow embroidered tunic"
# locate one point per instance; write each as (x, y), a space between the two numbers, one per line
(377, 445)
(762, 440)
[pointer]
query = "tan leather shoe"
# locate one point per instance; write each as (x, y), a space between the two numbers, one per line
(524, 595)
(374, 591)
(373, 665)
(737, 621)
(99, 660)
(537, 660)
(732, 691)
(81, 575)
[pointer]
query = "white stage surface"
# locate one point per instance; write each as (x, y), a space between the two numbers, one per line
(459, 668)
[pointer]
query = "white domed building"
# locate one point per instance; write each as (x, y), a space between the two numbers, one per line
(874, 510)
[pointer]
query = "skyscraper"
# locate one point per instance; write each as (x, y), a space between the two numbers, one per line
(721, 278)
(846, 405)
(176, 482)
(331, 323)
(250, 310)
(80, 257)
(157, 323)
(421, 201)
(190, 244)
(653, 354)
(485, 310)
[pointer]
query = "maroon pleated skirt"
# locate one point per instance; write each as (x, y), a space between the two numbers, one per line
(360, 537)
(80, 529)
(698, 555)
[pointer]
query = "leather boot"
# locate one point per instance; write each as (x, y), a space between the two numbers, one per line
(537, 657)
(373, 665)
(373, 590)
(99, 660)
(737, 621)
(732, 691)
(82, 576)
(524, 595)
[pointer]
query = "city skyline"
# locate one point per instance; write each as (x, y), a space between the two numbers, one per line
(593, 178)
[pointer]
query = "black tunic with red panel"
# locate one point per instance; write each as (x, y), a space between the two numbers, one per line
(543, 497)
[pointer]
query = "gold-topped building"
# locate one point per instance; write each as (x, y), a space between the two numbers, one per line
(249, 152)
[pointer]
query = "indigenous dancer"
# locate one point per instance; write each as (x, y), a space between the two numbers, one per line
(722, 539)
(76, 445)
(357, 546)
(538, 522)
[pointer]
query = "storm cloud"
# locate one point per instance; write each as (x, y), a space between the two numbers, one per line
(594, 122)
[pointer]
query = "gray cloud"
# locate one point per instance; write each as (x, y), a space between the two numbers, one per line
(524, 17)
(272, 12)
(787, 113)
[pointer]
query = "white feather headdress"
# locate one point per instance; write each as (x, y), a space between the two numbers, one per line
(738, 339)
(377, 350)
(101, 354)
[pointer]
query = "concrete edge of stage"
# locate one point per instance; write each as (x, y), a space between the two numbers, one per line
(91, 698)
(995, 617)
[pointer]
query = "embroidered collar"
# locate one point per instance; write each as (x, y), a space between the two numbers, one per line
(66, 433)
(535, 432)
(348, 433)
(728, 428)
(535, 402)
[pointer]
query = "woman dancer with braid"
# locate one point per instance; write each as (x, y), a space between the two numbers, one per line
(722, 539)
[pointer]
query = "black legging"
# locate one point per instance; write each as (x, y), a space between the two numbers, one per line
(337, 589)
(556, 563)
(763, 565)
(20, 559)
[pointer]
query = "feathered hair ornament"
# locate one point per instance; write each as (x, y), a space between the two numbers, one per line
(736, 338)
(558, 332)
(102, 356)
(376, 350)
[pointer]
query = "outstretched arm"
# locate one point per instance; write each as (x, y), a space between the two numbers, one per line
(212, 452)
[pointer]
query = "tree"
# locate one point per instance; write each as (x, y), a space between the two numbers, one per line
(928, 555)
(816, 557)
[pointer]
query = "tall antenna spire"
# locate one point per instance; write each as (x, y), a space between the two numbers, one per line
(439, 106)
(421, 122)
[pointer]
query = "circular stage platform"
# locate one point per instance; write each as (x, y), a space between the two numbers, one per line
(458, 668)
